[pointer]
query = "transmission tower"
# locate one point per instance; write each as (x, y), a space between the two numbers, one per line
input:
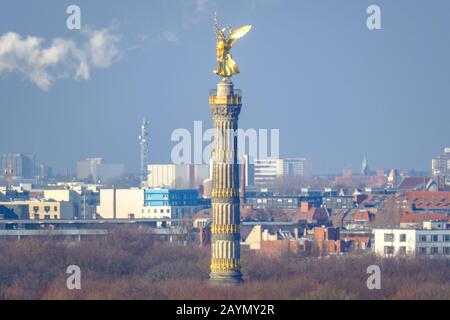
(143, 141)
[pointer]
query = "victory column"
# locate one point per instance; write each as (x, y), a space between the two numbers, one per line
(225, 104)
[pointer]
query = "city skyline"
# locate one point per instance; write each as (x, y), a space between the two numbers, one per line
(380, 103)
(200, 151)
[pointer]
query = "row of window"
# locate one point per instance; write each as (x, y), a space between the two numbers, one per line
(155, 210)
(46, 208)
(46, 217)
(434, 238)
(389, 250)
(390, 237)
(173, 196)
(175, 211)
(433, 250)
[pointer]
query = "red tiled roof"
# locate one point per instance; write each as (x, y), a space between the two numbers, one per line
(428, 200)
(420, 217)
(319, 214)
(362, 216)
(413, 183)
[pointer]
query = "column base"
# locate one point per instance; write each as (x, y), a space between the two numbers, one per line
(224, 278)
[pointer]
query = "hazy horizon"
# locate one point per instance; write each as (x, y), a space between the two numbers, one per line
(337, 91)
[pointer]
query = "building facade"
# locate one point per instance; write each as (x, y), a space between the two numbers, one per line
(433, 239)
(95, 169)
(267, 171)
(440, 165)
(176, 176)
(120, 203)
(23, 164)
(171, 204)
(297, 167)
(42, 209)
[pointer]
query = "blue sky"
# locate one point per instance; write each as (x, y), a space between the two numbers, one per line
(336, 90)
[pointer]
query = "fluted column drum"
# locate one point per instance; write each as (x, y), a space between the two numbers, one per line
(225, 103)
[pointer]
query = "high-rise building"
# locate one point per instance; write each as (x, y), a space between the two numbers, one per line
(440, 165)
(297, 167)
(95, 169)
(23, 164)
(267, 171)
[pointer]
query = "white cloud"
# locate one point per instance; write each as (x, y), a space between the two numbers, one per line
(170, 37)
(200, 5)
(42, 65)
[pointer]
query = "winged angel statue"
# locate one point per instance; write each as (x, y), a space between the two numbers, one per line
(226, 66)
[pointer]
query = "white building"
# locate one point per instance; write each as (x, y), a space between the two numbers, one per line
(440, 165)
(269, 170)
(169, 212)
(170, 204)
(85, 200)
(432, 239)
(177, 176)
(121, 203)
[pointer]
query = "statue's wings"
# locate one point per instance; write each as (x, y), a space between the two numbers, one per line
(238, 33)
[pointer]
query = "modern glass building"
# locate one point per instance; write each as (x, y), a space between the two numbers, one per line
(171, 197)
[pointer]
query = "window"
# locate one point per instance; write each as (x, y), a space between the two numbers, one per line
(55, 217)
(36, 216)
(388, 250)
(447, 238)
(434, 250)
(47, 208)
(422, 250)
(423, 238)
(47, 217)
(434, 238)
(403, 237)
(447, 250)
(55, 208)
(402, 250)
(389, 237)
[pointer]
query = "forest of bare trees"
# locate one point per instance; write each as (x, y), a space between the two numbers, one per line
(132, 265)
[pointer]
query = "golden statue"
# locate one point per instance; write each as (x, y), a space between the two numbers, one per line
(226, 66)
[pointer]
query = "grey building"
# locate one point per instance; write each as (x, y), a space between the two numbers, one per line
(23, 164)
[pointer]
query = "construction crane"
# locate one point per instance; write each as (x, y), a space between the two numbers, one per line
(143, 141)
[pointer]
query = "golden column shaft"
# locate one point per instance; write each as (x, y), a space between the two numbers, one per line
(225, 106)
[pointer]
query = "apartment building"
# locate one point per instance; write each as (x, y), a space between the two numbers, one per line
(432, 239)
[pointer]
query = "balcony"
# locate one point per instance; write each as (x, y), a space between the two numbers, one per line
(234, 99)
